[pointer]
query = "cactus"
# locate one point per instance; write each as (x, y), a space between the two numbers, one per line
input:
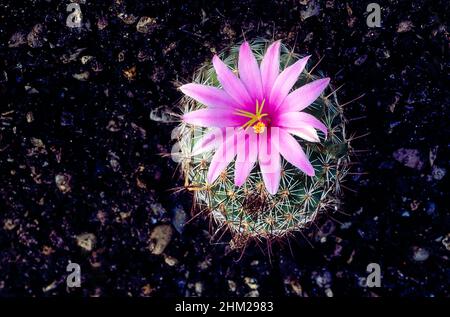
(249, 211)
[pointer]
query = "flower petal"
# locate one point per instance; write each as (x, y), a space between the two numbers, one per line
(299, 120)
(270, 67)
(269, 161)
(223, 156)
(211, 140)
(209, 96)
(249, 72)
(306, 132)
(285, 81)
(293, 153)
(232, 85)
(302, 97)
(247, 153)
(219, 118)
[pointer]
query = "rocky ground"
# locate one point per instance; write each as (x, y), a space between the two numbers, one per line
(83, 127)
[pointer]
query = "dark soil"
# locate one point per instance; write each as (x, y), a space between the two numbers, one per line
(79, 152)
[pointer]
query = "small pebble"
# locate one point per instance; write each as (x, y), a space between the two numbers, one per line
(232, 286)
(420, 254)
(63, 182)
(312, 9)
(405, 26)
(83, 76)
(409, 157)
(438, 173)
(199, 288)
(446, 242)
(86, 241)
(251, 282)
(170, 261)
(329, 292)
(179, 218)
(146, 24)
(35, 37)
(160, 238)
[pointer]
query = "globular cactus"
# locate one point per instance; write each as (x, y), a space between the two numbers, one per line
(249, 211)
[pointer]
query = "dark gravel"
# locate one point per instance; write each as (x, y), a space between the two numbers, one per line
(79, 153)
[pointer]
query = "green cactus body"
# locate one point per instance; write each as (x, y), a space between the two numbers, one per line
(249, 211)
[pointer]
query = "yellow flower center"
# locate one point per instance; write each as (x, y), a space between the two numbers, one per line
(259, 127)
(254, 118)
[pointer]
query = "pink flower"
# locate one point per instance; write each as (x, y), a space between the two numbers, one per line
(259, 115)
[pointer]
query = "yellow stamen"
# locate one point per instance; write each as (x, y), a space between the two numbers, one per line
(245, 113)
(256, 117)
